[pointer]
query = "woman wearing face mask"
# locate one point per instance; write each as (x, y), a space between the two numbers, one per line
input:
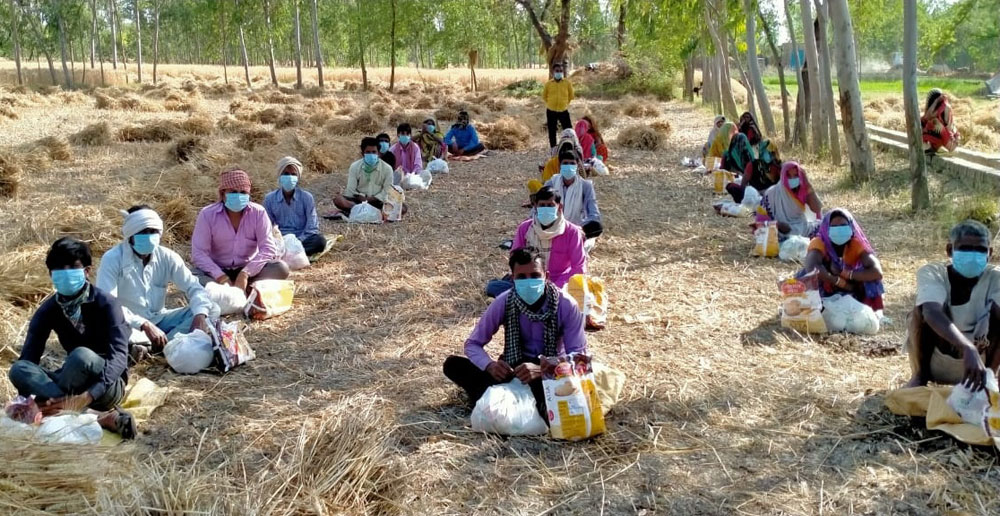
(578, 198)
(431, 141)
(232, 244)
(712, 133)
(845, 260)
(785, 203)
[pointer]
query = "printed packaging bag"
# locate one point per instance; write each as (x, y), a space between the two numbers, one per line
(392, 208)
(766, 240)
(231, 347)
(721, 178)
(801, 305)
(269, 298)
(591, 297)
(572, 404)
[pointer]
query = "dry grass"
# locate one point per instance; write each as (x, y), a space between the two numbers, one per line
(10, 175)
(505, 134)
(155, 131)
(200, 124)
(187, 148)
(289, 118)
(640, 108)
(56, 147)
(125, 103)
(364, 122)
(662, 125)
(93, 135)
(641, 137)
(231, 124)
(8, 112)
(256, 136)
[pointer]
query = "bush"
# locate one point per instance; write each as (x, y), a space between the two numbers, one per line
(525, 88)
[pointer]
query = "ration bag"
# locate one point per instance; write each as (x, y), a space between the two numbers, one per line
(230, 299)
(269, 298)
(720, 179)
(364, 213)
(189, 353)
(392, 208)
(70, 429)
(794, 249)
(591, 298)
(843, 313)
(766, 240)
(295, 254)
(508, 409)
(231, 347)
(571, 401)
(801, 305)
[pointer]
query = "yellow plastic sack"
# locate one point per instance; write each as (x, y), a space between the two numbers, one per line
(571, 400)
(609, 383)
(392, 208)
(269, 298)
(590, 295)
(932, 403)
(801, 307)
(721, 178)
(766, 241)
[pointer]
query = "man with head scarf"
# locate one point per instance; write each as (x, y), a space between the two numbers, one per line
(462, 139)
(232, 242)
(138, 272)
(294, 209)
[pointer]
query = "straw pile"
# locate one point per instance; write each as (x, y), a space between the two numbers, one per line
(51, 478)
(178, 218)
(446, 113)
(190, 105)
(662, 125)
(124, 103)
(57, 148)
(199, 124)
(93, 135)
(505, 134)
(424, 102)
(8, 112)
(10, 175)
(640, 108)
(327, 155)
(255, 137)
(640, 137)
(989, 120)
(381, 109)
(288, 118)
(364, 122)
(187, 148)
(230, 124)
(495, 104)
(346, 107)
(153, 131)
(265, 116)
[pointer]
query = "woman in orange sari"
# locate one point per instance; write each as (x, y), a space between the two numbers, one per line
(938, 125)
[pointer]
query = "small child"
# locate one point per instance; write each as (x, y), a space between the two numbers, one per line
(558, 93)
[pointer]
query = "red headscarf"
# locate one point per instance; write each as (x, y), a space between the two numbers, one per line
(234, 180)
(802, 195)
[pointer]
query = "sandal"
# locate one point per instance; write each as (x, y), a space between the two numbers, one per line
(125, 425)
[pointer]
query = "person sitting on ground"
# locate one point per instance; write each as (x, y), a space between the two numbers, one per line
(756, 159)
(845, 260)
(567, 143)
(723, 137)
(232, 244)
(407, 152)
(538, 319)
(716, 125)
(557, 94)
(591, 140)
(294, 209)
(431, 141)
(369, 179)
(384, 144)
(785, 203)
(91, 327)
(462, 139)
(138, 272)
(764, 151)
(579, 201)
(938, 125)
(954, 329)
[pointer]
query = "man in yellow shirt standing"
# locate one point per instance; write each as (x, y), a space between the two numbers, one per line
(558, 93)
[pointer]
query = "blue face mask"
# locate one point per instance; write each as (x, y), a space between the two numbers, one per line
(404, 139)
(840, 235)
(145, 243)
(567, 171)
(970, 264)
(530, 290)
(383, 147)
(794, 182)
(431, 128)
(557, 76)
(236, 201)
(68, 281)
(288, 182)
(546, 215)
(371, 159)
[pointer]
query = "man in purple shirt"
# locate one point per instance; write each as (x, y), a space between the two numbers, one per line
(232, 242)
(538, 320)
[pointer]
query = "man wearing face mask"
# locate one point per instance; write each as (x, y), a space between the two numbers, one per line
(384, 144)
(232, 244)
(954, 331)
(557, 94)
(138, 272)
(368, 179)
(294, 209)
(462, 139)
(538, 319)
(579, 202)
(407, 153)
(91, 327)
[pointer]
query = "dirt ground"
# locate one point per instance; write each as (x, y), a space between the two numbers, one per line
(723, 412)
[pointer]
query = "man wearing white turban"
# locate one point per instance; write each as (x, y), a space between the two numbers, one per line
(294, 209)
(138, 271)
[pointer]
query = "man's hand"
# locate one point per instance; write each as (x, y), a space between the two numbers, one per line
(156, 337)
(199, 323)
(528, 372)
(499, 370)
(975, 370)
(242, 279)
(222, 280)
(73, 403)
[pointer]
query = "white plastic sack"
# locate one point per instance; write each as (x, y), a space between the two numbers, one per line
(228, 298)
(421, 181)
(972, 406)
(295, 254)
(508, 409)
(843, 313)
(598, 166)
(794, 249)
(731, 209)
(751, 197)
(365, 213)
(10, 429)
(188, 353)
(437, 166)
(70, 429)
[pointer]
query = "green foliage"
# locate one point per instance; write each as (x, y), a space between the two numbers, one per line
(524, 89)
(661, 86)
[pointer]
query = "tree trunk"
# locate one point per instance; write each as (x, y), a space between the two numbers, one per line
(93, 32)
(83, 63)
(851, 111)
(298, 48)
(138, 40)
(816, 106)
(243, 46)
(758, 82)
(799, 134)
(156, 37)
(97, 44)
(222, 42)
(62, 46)
(16, 36)
(826, 82)
(689, 78)
(392, 49)
(270, 41)
(744, 81)
(786, 126)
(620, 33)
(920, 195)
(114, 36)
(361, 48)
(318, 51)
(722, 58)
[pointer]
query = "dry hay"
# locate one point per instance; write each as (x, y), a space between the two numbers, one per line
(51, 478)
(230, 124)
(125, 103)
(178, 218)
(415, 119)
(662, 125)
(155, 131)
(200, 124)
(326, 155)
(72, 97)
(289, 118)
(495, 104)
(8, 112)
(57, 147)
(381, 109)
(424, 102)
(238, 105)
(640, 108)
(346, 107)
(188, 106)
(979, 137)
(93, 135)
(989, 120)
(877, 105)
(641, 137)
(893, 119)
(505, 134)
(187, 148)
(274, 97)
(446, 113)
(320, 117)
(364, 122)
(255, 137)
(893, 101)
(10, 175)
(265, 116)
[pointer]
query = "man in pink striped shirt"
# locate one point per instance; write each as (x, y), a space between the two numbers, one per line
(409, 160)
(232, 242)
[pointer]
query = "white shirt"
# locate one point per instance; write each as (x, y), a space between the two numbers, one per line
(142, 290)
(971, 318)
